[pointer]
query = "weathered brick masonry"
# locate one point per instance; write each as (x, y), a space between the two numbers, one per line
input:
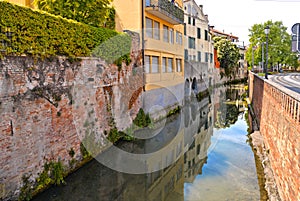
(278, 113)
(47, 106)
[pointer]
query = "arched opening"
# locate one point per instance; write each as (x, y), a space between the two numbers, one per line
(187, 88)
(194, 86)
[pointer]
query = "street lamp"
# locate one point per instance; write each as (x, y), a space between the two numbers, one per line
(262, 55)
(267, 31)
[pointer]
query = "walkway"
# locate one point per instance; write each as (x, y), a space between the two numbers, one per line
(290, 81)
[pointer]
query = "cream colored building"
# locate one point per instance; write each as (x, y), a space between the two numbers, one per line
(198, 50)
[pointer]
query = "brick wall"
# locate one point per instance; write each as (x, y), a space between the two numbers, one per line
(48, 106)
(278, 113)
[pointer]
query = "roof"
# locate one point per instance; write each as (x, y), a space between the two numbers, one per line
(212, 30)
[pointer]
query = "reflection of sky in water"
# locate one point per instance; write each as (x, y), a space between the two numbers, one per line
(230, 172)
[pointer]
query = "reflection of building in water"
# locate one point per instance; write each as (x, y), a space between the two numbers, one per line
(165, 180)
(228, 103)
(198, 131)
(188, 131)
(166, 184)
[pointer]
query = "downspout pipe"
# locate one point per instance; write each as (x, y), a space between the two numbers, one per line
(143, 42)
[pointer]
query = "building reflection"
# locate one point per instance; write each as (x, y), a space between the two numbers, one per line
(198, 132)
(187, 138)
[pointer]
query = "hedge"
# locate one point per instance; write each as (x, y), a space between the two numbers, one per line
(32, 32)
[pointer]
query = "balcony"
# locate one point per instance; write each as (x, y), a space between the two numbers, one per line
(165, 10)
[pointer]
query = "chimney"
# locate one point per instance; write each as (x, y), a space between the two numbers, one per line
(201, 6)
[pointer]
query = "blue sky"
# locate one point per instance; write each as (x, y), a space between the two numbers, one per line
(237, 16)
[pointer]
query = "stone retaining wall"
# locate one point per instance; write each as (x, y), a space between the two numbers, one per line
(278, 113)
(48, 106)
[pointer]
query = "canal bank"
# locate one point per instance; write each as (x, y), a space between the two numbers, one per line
(265, 174)
(211, 156)
(278, 118)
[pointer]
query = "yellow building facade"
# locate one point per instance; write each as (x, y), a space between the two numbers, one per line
(160, 24)
(28, 3)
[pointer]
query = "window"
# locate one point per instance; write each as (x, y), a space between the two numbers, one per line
(178, 38)
(147, 64)
(152, 29)
(170, 65)
(211, 57)
(199, 56)
(148, 27)
(166, 33)
(189, 9)
(206, 35)
(156, 30)
(148, 3)
(192, 43)
(184, 28)
(198, 149)
(198, 33)
(194, 21)
(206, 56)
(186, 54)
(154, 65)
(189, 20)
(171, 35)
(151, 64)
(164, 65)
(242, 56)
(178, 65)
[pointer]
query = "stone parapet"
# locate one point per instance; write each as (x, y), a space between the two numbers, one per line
(277, 110)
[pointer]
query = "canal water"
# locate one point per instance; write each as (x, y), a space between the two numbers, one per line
(207, 157)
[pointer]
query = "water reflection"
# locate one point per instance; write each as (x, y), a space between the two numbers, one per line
(227, 111)
(188, 137)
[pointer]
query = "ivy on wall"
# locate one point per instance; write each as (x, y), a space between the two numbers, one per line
(24, 31)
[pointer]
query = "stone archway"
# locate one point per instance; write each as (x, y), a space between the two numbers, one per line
(187, 90)
(195, 86)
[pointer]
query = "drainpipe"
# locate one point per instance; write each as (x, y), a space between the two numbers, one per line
(143, 41)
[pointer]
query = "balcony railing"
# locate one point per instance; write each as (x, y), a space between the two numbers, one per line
(166, 10)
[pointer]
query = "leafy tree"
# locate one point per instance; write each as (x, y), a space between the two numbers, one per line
(228, 112)
(97, 13)
(293, 61)
(279, 48)
(228, 55)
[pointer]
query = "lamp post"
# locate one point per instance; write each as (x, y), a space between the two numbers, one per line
(267, 31)
(262, 55)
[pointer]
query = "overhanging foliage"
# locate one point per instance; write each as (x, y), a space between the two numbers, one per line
(28, 32)
(97, 13)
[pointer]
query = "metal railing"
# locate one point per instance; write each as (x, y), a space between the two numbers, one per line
(168, 8)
